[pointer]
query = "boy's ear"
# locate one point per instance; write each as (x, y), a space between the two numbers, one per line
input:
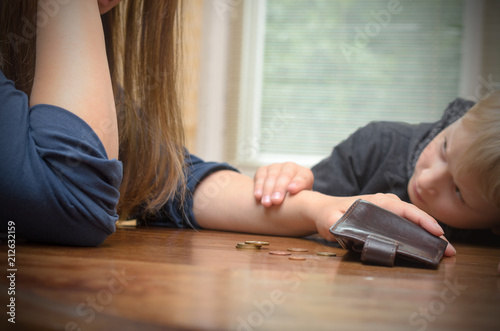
(496, 230)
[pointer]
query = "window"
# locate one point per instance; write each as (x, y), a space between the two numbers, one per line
(303, 75)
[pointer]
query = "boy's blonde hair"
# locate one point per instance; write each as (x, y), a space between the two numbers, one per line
(483, 155)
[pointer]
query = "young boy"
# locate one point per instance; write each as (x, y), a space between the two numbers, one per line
(450, 169)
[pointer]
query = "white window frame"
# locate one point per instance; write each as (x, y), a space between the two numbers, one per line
(214, 59)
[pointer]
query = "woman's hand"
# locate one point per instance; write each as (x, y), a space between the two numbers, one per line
(326, 210)
(272, 182)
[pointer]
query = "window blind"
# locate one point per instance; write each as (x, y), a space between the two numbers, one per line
(330, 67)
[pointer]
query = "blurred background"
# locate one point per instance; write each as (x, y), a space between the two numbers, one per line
(286, 80)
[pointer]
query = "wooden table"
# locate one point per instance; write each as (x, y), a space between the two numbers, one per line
(157, 279)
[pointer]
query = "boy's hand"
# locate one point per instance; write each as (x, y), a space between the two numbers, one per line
(326, 210)
(272, 182)
(411, 212)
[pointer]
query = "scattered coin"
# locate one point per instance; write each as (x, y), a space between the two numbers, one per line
(280, 253)
(254, 242)
(326, 254)
(247, 246)
(297, 258)
(297, 249)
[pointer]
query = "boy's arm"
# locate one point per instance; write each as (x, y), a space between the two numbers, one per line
(234, 208)
(372, 160)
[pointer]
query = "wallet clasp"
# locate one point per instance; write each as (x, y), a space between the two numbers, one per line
(379, 250)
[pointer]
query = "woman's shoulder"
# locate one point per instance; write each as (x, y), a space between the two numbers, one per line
(53, 162)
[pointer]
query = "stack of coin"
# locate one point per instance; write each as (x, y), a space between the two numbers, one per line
(254, 242)
(248, 246)
(297, 249)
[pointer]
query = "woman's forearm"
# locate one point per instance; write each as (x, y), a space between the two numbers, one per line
(71, 66)
(225, 201)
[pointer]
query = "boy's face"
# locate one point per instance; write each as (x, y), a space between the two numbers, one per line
(436, 188)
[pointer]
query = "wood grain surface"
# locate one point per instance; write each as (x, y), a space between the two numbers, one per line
(171, 279)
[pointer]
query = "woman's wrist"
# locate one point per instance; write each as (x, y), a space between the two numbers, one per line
(320, 211)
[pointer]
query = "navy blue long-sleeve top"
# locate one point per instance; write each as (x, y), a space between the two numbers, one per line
(56, 182)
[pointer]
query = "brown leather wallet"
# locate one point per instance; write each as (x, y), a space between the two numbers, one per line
(380, 236)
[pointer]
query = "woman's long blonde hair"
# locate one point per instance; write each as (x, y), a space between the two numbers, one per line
(142, 41)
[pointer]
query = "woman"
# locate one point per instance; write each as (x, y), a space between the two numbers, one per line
(60, 175)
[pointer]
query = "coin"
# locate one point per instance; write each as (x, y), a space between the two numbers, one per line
(297, 258)
(280, 253)
(326, 254)
(297, 249)
(255, 242)
(247, 246)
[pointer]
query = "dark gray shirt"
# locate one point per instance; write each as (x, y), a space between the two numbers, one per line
(381, 157)
(374, 159)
